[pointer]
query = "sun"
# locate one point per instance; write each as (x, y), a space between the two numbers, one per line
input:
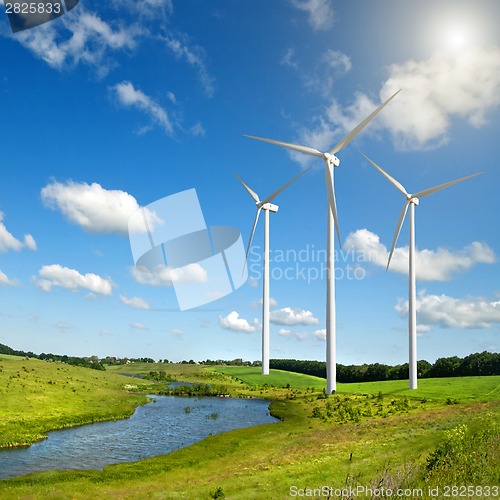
(456, 37)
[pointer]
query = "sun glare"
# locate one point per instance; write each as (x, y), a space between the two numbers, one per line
(457, 37)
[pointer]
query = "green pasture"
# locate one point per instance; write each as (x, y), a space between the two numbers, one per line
(277, 378)
(461, 389)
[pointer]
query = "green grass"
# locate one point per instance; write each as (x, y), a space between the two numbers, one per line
(38, 396)
(140, 368)
(264, 462)
(458, 388)
(278, 378)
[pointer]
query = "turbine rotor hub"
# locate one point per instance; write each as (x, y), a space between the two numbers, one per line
(331, 159)
(270, 206)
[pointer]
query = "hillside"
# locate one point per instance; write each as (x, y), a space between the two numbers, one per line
(38, 396)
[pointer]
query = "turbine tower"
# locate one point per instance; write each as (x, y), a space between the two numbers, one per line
(411, 200)
(267, 206)
(331, 161)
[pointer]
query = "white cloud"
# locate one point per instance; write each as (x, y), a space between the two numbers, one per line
(284, 332)
(253, 282)
(320, 12)
(233, 322)
(320, 334)
(205, 322)
(462, 84)
(288, 59)
(146, 8)
(431, 265)
(176, 331)
(450, 312)
(6, 281)
(321, 76)
(195, 57)
(92, 207)
(63, 325)
(129, 96)
(197, 130)
(167, 276)
(9, 242)
(135, 302)
(78, 37)
(289, 316)
(171, 97)
(138, 326)
(447, 85)
(70, 279)
(337, 61)
(29, 242)
(255, 304)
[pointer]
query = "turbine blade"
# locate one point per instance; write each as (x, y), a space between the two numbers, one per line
(249, 190)
(391, 179)
(426, 192)
(251, 236)
(296, 147)
(278, 191)
(401, 220)
(332, 204)
(355, 131)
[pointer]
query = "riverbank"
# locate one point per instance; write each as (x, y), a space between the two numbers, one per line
(164, 425)
(40, 396)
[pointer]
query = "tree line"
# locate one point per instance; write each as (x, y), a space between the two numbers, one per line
(87, 362)
(480, 363)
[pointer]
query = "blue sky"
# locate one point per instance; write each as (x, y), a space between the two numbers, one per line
(108, 109)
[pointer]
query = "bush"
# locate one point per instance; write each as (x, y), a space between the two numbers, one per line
(468, 455)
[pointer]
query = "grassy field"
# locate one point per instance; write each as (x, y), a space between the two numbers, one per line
(183, 370)
(458, 388)
(349, 440)
(38, 396)
(278, 378)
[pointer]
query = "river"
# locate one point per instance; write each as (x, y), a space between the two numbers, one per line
(157, 428)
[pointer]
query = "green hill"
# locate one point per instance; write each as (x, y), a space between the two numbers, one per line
(456, 388)
(37, 396)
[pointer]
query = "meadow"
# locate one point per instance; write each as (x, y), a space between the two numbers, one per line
(374, 436)
(457, 388)
(39, 396)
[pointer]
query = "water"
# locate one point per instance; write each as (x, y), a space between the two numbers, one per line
(154, 429)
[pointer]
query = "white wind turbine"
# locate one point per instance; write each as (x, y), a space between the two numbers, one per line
(267, 206)
(411, 201)
(331, 161)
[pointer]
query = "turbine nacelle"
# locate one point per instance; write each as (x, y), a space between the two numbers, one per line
(414, 200)
(265, 204)
(331, 159)
(268, 206)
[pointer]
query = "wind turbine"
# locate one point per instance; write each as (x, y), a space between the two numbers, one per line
(331, 161)
(267, 206)
(411, 201)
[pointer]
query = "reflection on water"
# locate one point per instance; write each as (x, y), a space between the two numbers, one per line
(154, 429)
